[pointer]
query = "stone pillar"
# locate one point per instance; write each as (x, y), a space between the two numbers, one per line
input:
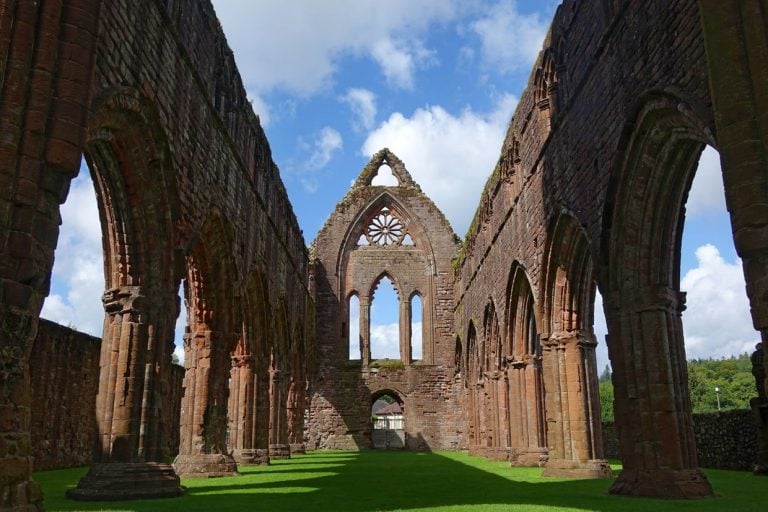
(737, 58)
(652, 404)
(135, 366)
(759, 406)
(242, 410)
(278, 443)
(527, 447)
(44, 101)
(295, 415)
(262, 428)
(574, 429)
(203, 449)
(365, 330)
(405, 331)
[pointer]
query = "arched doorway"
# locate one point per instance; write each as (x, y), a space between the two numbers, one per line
(388, 418)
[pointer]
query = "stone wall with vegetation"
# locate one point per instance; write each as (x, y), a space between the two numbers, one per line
(64, 379)
(725, 440)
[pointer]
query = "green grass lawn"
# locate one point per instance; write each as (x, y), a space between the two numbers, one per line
(370, 481)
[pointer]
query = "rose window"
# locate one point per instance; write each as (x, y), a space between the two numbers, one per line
(385, 228)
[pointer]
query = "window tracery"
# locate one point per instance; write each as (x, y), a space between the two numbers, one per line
(385, 229)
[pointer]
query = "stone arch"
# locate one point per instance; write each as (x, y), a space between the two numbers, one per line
(521, 336)
(362, 220)
(495, 358)
(574, 427)
(129, 160)
(642, 230)
(214, 326)
(473, 384)
(524, 371)
(545, 93)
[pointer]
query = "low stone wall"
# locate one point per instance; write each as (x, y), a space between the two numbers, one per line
(64, 378)
(725, 440)
(64, 381)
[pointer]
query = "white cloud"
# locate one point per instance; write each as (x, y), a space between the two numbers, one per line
(78, 270)
(717, 321)
(509, 40)
(449, 156)
(261, 108)
(398, 60)
(707, 192)
(295, 45)
(385, 341)
(326, 143)
(362, 102)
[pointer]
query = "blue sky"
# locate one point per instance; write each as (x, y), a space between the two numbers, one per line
(436, 81)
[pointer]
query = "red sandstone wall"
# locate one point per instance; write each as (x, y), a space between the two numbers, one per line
(340, 409)
(64, 378)
(64, 375)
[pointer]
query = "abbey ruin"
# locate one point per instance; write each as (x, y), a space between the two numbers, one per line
(588, 193)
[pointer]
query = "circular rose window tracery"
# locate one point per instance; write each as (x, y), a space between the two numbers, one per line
(385, 228)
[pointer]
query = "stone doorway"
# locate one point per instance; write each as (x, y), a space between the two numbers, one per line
(388, 418)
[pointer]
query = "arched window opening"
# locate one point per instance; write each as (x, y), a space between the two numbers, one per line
(717, 323)
(353, 327)
(457, 362)
(388, 417)
(384, 177)
(417, 346)
(385, 321)
(77, 279)
(180, 328)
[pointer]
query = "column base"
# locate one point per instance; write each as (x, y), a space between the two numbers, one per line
(205, 465)
(252, 457)
(297, 448)
(662, 483)
(528, 457)
(279, 451)
(596, 468)
(118, 481)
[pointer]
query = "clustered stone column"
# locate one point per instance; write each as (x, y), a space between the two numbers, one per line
(295, 413)
(203, 423)
(365, 330)
(652, 405)
(278, 424)
(405, 331)
(243, 412)
(573, 415)
(526, 433)
(129, 459)
(734, 35)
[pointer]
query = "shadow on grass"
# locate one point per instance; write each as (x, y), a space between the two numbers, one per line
(369, 481)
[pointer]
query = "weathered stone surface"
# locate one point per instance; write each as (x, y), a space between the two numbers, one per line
(62, 424)
(588, 193)
(127, 481)
(205, 465)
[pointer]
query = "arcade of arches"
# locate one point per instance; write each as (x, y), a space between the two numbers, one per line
(588, 194)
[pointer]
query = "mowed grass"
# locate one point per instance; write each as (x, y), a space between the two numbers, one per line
(390, 481)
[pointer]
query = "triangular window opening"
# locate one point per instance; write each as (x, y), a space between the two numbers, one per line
(384, 177)
(363, 240)
(407, 240)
